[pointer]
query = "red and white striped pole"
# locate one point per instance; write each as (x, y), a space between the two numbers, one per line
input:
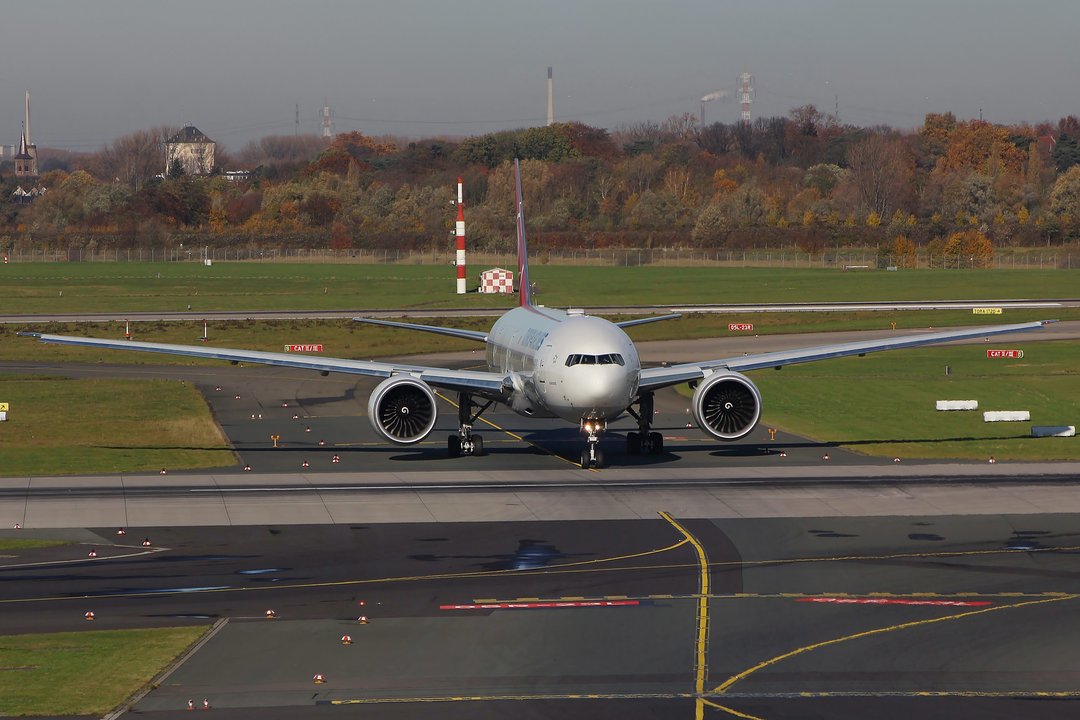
(460, 233)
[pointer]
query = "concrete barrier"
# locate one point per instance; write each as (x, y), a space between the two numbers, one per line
(957, 405)
(1006, 415)
(1053, 431)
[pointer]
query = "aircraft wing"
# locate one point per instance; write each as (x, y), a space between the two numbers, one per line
(488, 384)
(453, 332)
(642, 321)
(658, 377)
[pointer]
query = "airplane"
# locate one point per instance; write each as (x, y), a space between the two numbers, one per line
(549, 363)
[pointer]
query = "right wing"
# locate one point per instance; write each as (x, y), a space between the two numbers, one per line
(488, 384)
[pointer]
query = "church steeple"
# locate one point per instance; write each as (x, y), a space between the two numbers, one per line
(26, 159)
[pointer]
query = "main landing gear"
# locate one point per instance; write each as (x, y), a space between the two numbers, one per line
(645, 441)
(465, 442)
(592, 455)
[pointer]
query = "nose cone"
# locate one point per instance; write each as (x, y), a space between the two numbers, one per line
(602, 390)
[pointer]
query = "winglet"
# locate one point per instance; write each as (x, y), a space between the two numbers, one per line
(524, 289)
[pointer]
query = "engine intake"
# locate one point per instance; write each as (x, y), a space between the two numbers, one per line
(402, 409)
(727, 405)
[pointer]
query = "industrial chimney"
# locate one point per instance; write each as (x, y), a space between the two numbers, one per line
(551, 102)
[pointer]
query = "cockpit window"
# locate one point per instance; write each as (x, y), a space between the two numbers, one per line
(606, 359)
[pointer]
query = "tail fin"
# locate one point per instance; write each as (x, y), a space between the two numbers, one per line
(524, 288)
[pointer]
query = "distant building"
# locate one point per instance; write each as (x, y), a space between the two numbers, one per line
(26, 160)
(25, 197)
(191, 150)
(497, 280)
(26, 157)
(237, 175)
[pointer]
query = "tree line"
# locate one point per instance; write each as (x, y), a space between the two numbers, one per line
(805, 181)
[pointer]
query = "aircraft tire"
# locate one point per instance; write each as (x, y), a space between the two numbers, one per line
(633, 443)
(586, 461)
(599, 461)
(656, 443)
(453, 446)
(478, 446)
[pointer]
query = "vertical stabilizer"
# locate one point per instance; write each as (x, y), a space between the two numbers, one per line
(524, 289)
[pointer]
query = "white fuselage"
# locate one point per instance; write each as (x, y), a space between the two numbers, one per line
(565, 365)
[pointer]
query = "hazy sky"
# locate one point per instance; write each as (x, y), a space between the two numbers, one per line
(236, 68)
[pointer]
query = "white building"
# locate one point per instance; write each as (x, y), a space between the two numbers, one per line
(192, 150)
(497, 280)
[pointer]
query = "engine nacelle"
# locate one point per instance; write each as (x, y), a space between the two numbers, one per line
(727, 405)
(402, 409)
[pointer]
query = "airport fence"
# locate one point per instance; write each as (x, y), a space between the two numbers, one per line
(843, 259)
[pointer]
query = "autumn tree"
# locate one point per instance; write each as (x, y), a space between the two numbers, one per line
(882, 168)
(136, 158)
(346, 149)
(968, 248)
(278, 155)
(981, 146)
(1065, 195)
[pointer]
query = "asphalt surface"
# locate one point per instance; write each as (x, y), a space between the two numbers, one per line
(814, 617)
(821, 611)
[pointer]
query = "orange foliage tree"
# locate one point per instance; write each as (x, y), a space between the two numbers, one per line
(968, 248)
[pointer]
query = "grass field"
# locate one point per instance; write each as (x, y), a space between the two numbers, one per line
(12, 544)
(345, 338)
(61, 426)
(78, 432)
(130, 287)
(83, 673)
(884, 404)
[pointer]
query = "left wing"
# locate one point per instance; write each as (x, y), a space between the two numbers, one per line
(642, 321)
(488, 384)
(453, 332)
(655, 378)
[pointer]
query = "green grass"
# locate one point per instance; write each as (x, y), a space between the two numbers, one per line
(60, 426)
(83, 673)
(883, 404)
(12, 544)
(130, 287)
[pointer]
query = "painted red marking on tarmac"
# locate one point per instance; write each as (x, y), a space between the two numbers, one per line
(895, 601)
(534, 605)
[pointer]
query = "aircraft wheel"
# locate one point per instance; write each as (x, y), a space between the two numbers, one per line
(477, 446)
(598, 461)
(586, 461)
(453, 446)
(633, 443)
(656, 440)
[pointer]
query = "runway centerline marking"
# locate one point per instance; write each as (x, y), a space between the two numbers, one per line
(572, 567)
(738, 677)
(701, 641)
(543, 604)
(893, 601)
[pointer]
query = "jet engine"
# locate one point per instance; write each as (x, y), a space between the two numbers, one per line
(402, 409)
(727, 405)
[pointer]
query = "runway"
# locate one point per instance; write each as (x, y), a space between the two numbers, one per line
(761, 618)
(718, 581)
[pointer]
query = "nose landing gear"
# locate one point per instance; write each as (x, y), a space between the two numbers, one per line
(592, 456)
